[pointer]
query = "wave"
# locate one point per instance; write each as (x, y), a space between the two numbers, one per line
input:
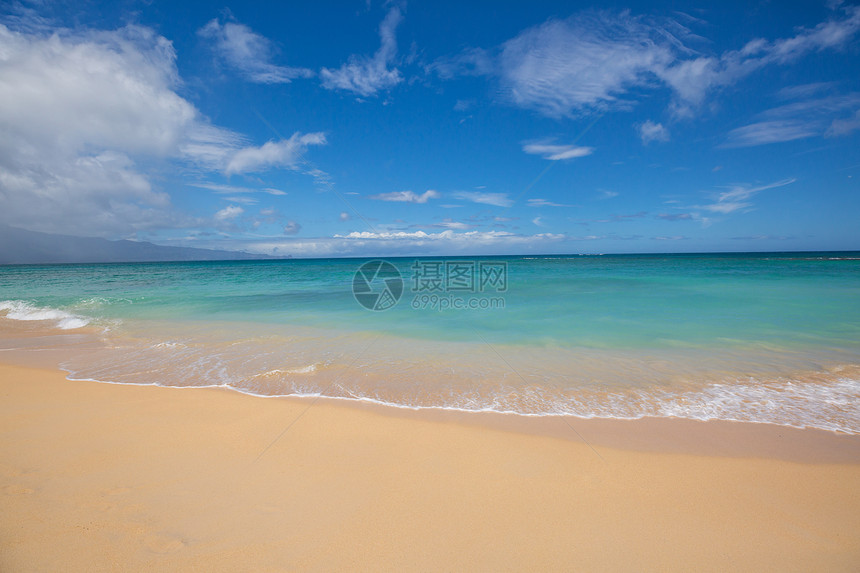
(822, 400)
(20, 310)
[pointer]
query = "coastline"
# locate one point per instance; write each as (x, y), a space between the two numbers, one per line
(106, 477)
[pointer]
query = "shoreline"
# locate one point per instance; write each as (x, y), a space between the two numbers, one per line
(32, 346)
(101, 477)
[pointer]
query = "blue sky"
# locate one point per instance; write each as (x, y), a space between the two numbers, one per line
(368, 128)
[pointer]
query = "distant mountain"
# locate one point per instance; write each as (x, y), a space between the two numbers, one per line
(19, 246)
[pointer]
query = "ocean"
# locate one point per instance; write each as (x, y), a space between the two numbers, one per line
(757, 337)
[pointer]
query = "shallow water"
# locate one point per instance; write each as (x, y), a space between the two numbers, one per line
(755, 337)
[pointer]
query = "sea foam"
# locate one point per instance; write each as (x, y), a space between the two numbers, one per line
(19, 310)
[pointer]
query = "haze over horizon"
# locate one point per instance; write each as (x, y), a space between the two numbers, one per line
(383, 129)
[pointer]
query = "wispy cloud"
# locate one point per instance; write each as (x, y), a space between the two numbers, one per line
(585, 63)
(556, 152)
(497, 199)
(292, 228)
(406, 196)
(822, 116)
(544, 203)
(470, 62)
(774, 131)
(249, 53)
(676, 216)
(244, 200)
(448, 224)
(229, 212)
(737, 197)
(844, 126)
(284, 153)
(692, 79)
(599, 61)
(368, 75)
(232, 189)
(650, 131)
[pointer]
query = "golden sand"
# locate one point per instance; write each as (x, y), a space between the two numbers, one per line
(99, 477)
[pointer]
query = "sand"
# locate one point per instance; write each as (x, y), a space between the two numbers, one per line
(100, 477)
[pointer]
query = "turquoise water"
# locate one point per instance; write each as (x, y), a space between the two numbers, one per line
(756, 337)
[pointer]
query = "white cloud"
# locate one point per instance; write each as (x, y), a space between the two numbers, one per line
(537, 221)
(344, 216)
(368, 75)
(650, 131)
(557, 152)
(229, 212)
(249, 53)
(292, 228)
(284, 153)
(84, 111)
(79, 110)
(406, 196)
(497, 199)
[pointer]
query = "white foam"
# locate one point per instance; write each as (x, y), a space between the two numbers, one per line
(18, 310)
(309, 369)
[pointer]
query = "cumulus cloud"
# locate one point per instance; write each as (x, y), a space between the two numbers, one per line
(557, 152)
(79, 110)
(650, 131)
(249, 53)
(292, 228)
(406, 196)
(497, 199)
(86, 116)
(365, 75)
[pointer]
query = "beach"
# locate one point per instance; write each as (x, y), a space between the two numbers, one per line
(108, 477)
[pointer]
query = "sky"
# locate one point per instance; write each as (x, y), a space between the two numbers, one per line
(365, 128)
